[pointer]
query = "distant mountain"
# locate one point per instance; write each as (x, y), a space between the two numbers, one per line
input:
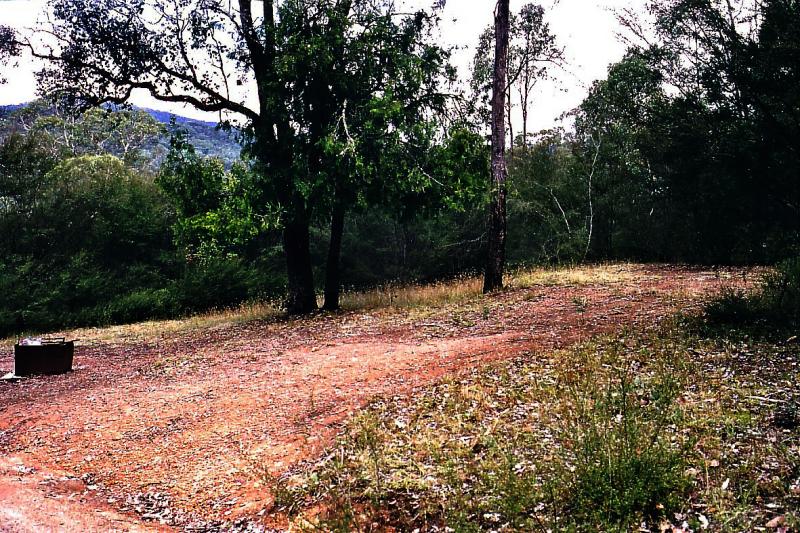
(165, 117)
(207, 139)
(7, 110)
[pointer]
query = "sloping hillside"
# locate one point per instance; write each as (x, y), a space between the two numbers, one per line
(207, 139)
(192, 423)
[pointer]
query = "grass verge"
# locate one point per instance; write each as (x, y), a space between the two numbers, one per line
(152, 329)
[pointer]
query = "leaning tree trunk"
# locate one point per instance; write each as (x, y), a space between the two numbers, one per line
(301, 297)
(496, 259)
(332, 275)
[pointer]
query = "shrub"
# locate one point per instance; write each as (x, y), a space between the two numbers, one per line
(141, 305)
(731, 306)
(781, 291)
(775, 304)
(623, 467)
(214, 284)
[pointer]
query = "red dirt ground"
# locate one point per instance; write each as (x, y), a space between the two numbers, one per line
(188, 423)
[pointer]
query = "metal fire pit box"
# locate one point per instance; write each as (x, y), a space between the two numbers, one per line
(52, 356)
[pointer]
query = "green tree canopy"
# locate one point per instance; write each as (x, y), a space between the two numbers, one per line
(316, 66)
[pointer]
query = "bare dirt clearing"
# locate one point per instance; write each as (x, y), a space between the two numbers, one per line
(179, 426)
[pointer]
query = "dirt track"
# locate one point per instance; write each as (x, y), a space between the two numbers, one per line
(185, 426)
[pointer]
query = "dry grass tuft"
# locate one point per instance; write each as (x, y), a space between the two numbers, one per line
(417, 295)
(603, 274)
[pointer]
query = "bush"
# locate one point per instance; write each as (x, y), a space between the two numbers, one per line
(625, 469)
(775, 304)
(781, 291)
(215, 284)
(147, 304)
(85, 241)
(731, 306)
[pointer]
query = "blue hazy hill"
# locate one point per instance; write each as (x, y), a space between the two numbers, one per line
(207, 139)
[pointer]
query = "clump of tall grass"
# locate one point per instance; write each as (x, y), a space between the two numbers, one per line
(407, 296)
(622, 463)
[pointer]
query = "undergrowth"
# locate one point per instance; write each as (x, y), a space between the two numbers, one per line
(466, 288)
(418, 297)
(773, 307)
(628, 463)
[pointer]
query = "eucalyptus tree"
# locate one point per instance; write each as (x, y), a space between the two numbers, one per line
(496, 256)
(375, 119)
(528, 49)
(724, 143)
(532, 53)
(523, 50)
(124, 133)
(295, 74)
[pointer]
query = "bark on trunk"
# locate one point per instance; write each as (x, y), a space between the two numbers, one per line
(332, 275)
(301, 297)
(496, 259)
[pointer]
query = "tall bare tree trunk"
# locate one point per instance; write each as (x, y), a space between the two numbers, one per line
(525, 97)
(495, 264)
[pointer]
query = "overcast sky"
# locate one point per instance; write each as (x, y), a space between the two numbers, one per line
(586, 28)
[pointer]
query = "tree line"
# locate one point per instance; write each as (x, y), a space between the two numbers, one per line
(365, 160)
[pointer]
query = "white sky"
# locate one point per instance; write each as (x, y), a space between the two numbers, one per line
(586, 28)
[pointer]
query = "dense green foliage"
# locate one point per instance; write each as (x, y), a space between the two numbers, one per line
(8, 46)
(346, 95)
(77, 233)
(87, 238)
(698, 132)
(685, 152)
